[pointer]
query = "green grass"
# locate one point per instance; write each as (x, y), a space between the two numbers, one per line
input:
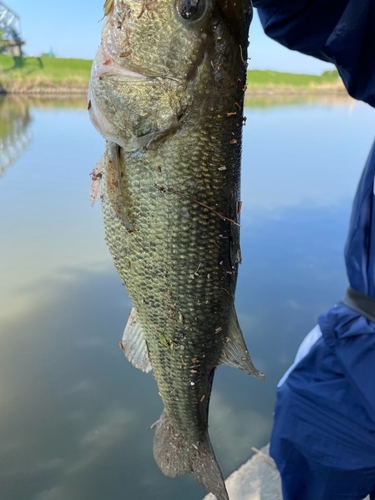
(38, 72)
(268, 78)
(44, 71)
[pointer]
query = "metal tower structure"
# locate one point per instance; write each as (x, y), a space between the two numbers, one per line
(10, 26)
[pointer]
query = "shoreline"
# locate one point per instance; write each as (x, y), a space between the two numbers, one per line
(250, 92)
(54, 90)
(288, 91)
(80, 87)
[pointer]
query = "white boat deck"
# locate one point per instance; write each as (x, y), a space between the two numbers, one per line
(257, 479)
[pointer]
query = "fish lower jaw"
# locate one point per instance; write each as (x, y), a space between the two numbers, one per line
(110, 133)
(107, 129)
(99, 119)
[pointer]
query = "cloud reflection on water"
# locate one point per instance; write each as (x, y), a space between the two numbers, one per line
(49, 224)
(310, 153)
(235, 430)
(76, 407)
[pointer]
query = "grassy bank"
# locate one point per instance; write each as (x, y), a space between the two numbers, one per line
(30, 74)
(267, 81)
(49, 74)
(266, 77)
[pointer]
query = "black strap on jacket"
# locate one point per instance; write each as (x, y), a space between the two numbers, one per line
(362, 304)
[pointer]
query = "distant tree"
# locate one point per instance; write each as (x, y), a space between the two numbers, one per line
(331, 73)
(48, 54)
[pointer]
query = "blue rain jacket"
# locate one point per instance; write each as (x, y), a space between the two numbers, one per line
(323, 439)
(336, 31)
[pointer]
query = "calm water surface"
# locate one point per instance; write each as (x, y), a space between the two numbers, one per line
(75, 415)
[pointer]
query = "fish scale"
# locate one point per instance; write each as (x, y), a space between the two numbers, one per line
(167, 94)
(193, 269)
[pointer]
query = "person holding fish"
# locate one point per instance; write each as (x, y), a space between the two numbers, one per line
(323, 439)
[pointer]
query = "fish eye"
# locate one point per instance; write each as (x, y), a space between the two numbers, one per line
(191, 10)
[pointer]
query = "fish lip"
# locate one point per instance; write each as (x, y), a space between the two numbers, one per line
(114, 69)
(105, 65)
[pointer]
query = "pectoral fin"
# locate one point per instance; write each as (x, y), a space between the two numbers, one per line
(133, 344)
(235, 352)
(96, 181)
(114, 186)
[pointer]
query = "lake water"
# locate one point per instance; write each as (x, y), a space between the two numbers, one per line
(75, 415)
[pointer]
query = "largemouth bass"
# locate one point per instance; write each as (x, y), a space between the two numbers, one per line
(167, 93)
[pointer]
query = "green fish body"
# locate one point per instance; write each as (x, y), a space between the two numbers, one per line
(167, 94)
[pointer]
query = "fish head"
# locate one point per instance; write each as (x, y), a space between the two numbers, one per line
(157, 58)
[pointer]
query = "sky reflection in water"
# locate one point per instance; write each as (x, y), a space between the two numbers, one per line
(75, 419)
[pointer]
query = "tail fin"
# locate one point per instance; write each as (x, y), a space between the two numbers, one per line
(177, 457)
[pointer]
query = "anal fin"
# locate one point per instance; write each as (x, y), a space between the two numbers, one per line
(235, 352)
(133, 344)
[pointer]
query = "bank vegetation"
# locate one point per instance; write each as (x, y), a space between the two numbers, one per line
(51, 75)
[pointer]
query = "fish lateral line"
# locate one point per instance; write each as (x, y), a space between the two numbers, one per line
(200, 203)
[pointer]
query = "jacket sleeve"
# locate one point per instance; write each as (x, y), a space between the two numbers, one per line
(338, 31)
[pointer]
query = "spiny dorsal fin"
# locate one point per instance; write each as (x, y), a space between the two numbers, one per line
(133, 344)
(235, 352)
